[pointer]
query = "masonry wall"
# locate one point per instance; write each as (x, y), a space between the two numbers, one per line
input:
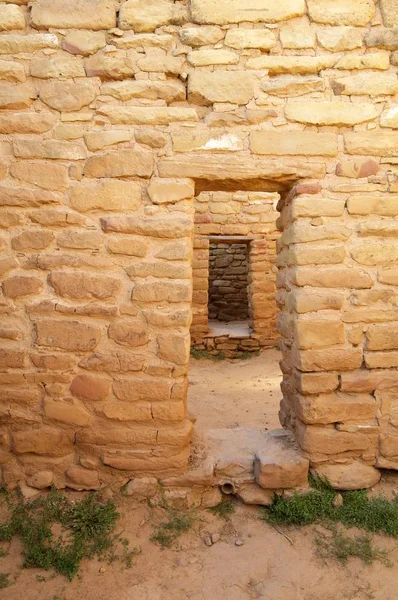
(113, 116)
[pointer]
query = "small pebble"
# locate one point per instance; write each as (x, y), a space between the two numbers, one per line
(102, 570)
(215, 537)
(338, 501)
(207, 541)
(238, 543)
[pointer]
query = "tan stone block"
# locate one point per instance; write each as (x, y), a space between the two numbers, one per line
(79, 478)
(41, 480)
(128, 247)
(147, 15)
(364, 85)
(84, 42)
(368, 381)
(162, 291)
(336, 359)
(33, 148)
(206, 141)
(120, 163)
(16, 96)
(83, 285)
(301, 254)
(297, 65)
(206, 57)
(329, 441)
(279, 465)
(389, 446)
(294, 143)
(170, 91)
(351, 476)
(149, 389)
(389, 11)
(389, 276)
(382, 337)
(206, 88)
(201, 36)
(389, 118)
(174, 348)
(286, 86)
(162, 465)
(44, 442)
(79, 240)
(338, 39)
(254, 11)
(10, 219)
(297, 34)
(318, 334)
(361, 167)
(67, 412)
(6, 264)
(341, 12)
(333, 277)
(65, 96)
(97, 140)
(167, 317)
(91, 14)
(386, 206)
(59, 65)
(11, 17)
(32, 240)
(139, 115)
(315, 206)
(160, 228)
(301, 231)
(169, 191)
(336, 408)
(371, 254)
(88, 387)
(303, 301)
(382, 38)
(12, 71)
(381, 360)
(160, 64)
(168, 411)
(129, 333)
(380, 143)
(150, 137)
(139, 41)
(45, 175)
(330, 113)
(68, 131)
(124, 411)
(14, 43)
(14, 287)
(67, 335)
(113, 363)
(27, 122)
(159, 270)
(52, 362)
(379, 60)
(13, 359)
(316, 383)
(106, 196)
(264, 39)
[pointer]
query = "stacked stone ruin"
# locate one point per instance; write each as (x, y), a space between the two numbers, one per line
(114, 116)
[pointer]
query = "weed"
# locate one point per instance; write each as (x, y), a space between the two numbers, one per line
(224, 509)
(58, 534)
(342, 547)
(3, 553)
(247, 355)
(4, 580)
(168, 531)
(205, 354)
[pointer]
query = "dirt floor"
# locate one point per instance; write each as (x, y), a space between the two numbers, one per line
(252, 560)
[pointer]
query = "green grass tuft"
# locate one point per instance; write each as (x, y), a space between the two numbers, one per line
(341, 547)
(177, 523)
(205, 354)
(224, 509)
(4, 580)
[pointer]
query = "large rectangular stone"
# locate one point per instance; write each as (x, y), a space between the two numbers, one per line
(36, 148)
(106, 196)
(364, 84)
(148, 15)
(365, 380)
(140, 115)
(89, 14)
(15, 43)
(206, 87)
(318, 334)
(160, 228)
(389, 11)
(386, 206)
(382, 336)
(210, 141)
(254, 11)
(17, 97)
(330, 112)
(332, 277)
(327, 440)
(297, 65)
(293, 143)
(67, 335)
(170, 91)
(379, 143)
(328, 359)
(120, 163)
(279, 464)
(336, 408)
(341, 12)
(27, 122)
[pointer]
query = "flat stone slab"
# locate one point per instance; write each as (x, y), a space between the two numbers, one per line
(278, 464)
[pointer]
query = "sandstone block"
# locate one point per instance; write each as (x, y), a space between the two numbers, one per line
(120, 163)
(310, 301)
(315, 206)
(383, 143)
(139, 115)
(83, 285)
(294, 143)
(32, 240)
(287, 86)
(44, 442)
(67, 97)
(297, 65)
(329, 441)
(381, 360)
(170, 91)
(28, 122)
(167, 318)
(330, 113)
(88, 387)
(316, 383)
(6, 264)
(106, 196)
(358, 168)
(382, 336)
(169, 191)
(148, 390)
(279, 465)
(124, 411)
(381, 254)
(33, 148)
(333, 277)
(382, 38)
(206, 88)
(84, 42)
(335, 408)
(329, 359)
(67, 412)
(386, 206)
(252, 494)
(360, 85)
(12, 71)
(109, 67)
(254, 11)
(264, 39)
(97, 140)
(174, 348)
(206, 57)
(389, 11)
(128, 247)
(76, 239)
(142, 487)
(201, 36)
(349, 62)
(206, 141)
(67, 335)
(45, 175)
(90, 14)
(11, 17)
(13, 287)
(147, 15)
(78, 478)
(297, 34)
(368, 381)
(129, 333)
(341, 12)
(160, 228)
(14, 43)
(352, 476)
(41, 480)
(161, 64)
(338, 39)
(162, 292)
(389, 276)
(389, 118)
(318, 334)
(17, 97)
(13, 359)
(57, 66)
(53, 362)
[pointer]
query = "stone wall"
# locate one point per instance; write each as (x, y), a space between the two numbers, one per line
(228, 272)
(113, 116)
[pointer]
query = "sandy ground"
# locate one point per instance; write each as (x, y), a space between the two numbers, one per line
(236, 393)
(266, 566)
